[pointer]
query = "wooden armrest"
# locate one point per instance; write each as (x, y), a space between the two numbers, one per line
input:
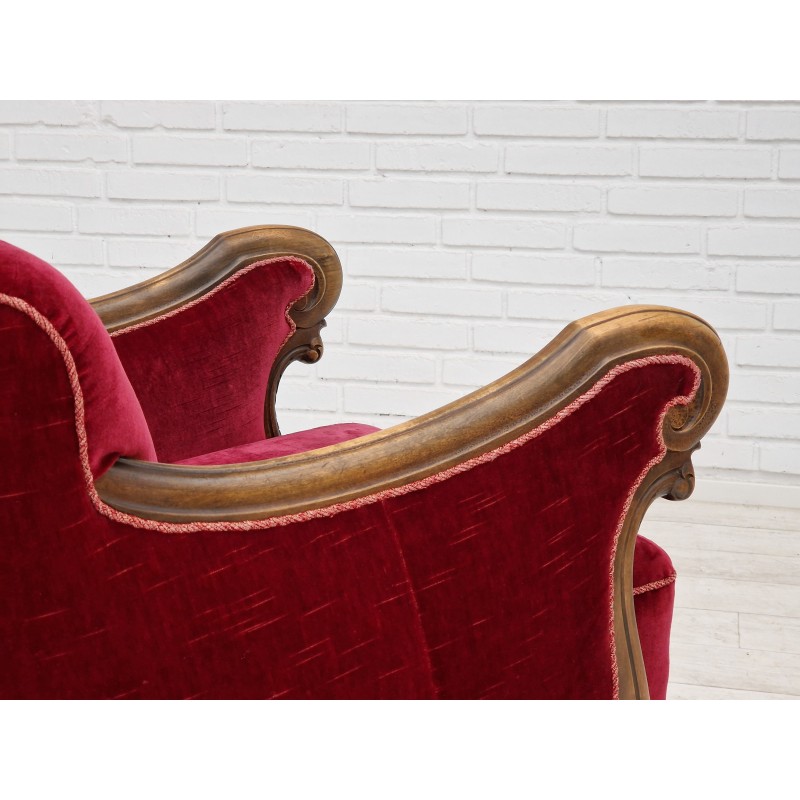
(478, 423)
(566, 369)
(222, 257)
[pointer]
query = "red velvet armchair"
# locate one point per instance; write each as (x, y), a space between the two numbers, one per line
(162, 540)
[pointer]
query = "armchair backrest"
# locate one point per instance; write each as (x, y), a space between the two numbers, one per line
(45, 325)
(201, 369)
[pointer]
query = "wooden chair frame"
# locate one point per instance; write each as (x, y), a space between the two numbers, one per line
(480, 422)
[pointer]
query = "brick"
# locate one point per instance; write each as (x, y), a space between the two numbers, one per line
(211, 221)
(705, 162)
(442, 301)
(733, 454)
(483, 232)
(787, 316)
(156, 254)
(456, 157)
(300, 117)
(5, 146)
(636, 238)
(772, 203)
(191, 150)
(390, 193)
(62, 250)
(406, 119)
(547, 270)
(17, 216)
(547, 159)
(86, 146)
(304, 396)
(476, 372)
(414, 263)
(47, 112)
(775, 423)
(290, 191)
(357, 297)
(317, 154)
(727, 314)
(676, 201)
(383, 367)
(769, 124)
(768, 279)
(131, 220)
(140, 185)
(760, 387)
(333, 334)
(789, 163)
(409, 334)
(779, 458)
(150, 114)
(524, 196)
(397, 400)
(96, 282)
(672, 123)
(50, 182)
(374, 228)
(536, 121)
(768, 351)
(751, 240)
(560, 306)
(509, 337)
(658, 273)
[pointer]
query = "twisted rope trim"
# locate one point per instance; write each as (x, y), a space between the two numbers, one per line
(660, 584)
(337, 508)
(219, 287)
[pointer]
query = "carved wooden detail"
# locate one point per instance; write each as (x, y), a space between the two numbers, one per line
(523, 399)
(223, 256)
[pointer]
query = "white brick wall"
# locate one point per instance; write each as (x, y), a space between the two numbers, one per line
(470, 233)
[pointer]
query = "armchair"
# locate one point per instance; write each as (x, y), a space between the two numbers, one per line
(162, 539)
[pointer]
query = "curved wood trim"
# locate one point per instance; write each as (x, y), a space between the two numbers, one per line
(222, 257)
(482, 421)
(523, 399)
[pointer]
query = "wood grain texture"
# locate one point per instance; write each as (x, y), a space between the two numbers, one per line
(583, 353)
(687, 691)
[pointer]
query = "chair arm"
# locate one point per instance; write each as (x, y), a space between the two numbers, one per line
(224, 256)
(578, 364)
(482, 421)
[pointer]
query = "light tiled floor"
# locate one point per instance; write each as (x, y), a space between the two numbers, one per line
(736, 633)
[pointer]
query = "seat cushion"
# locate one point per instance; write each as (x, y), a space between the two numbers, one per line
(299, 442)
(654, 596)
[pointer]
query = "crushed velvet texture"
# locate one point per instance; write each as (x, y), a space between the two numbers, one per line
(299, 442)
(653, 572)
(491, 583)
(201, 374)
(114, 421)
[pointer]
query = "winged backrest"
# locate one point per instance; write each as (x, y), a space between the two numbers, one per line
(201, 369)
(46, 325)
(484, 550)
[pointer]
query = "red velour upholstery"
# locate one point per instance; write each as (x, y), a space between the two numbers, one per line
(285, 445)
(115, 424)
(492, 579)
(654, 597)
(201, 373)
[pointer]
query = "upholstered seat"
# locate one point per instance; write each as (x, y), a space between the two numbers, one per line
(300, 442)
(162, 539)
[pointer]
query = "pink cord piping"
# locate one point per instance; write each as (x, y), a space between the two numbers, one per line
(227, 282)
(337, 508)
(660, 584)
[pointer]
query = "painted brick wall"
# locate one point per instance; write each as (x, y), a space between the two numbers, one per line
(470, 233)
